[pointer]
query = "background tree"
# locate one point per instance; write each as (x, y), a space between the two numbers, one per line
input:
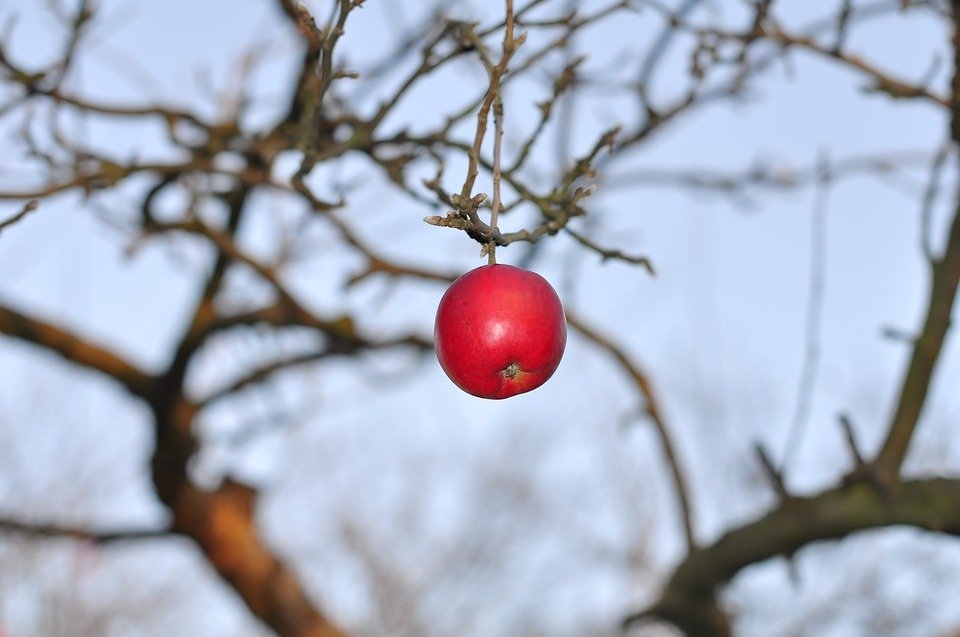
(243, 400)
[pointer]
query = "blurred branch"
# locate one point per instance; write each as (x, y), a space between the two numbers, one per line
(611, 253)
(47, 84)
(223, 524)
(762, 28)
(289, 8)
(766, 175)
(861, 468)
(376, 263)
(773, 475)
(91, 174)
(55, 531)
(268, 370)
(927, 348)
(883, 82)
(814, 316)
(287, 310)
(29, 207)
(688, 599)
(945, 276)
(871, 495)
(930, 194)
(651, 62)
(652, 410)
(397, 591)
(223, 521)
(308, 120)
(261, 374)
(76, 350)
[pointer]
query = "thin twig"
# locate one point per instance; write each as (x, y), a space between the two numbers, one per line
(815, 294)
(496, 73)
(774, 476)
(29, 207)
(851, 439)
(611, 253)
(930, 199)
(45, 530)
(497, 176)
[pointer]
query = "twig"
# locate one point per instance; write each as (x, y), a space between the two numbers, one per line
(766, 176)
(565, 80)
(814, 318)
(46, 530)
(930, 199)
(852, 445)
(495, 72)
(495, 204)
(29, 207)
(269, 369)
(611, 253)
(883, 82)
(662, 43)
(774, 476)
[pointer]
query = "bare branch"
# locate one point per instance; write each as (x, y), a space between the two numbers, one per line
(773, 475)
(652, 410)
(39, 530)
(860, 466)
(611, 253)
(267, 370)
(929, 200)
(76, 350)
(29, 207)
(495, 72)
(814, 317)
(945, 276)
(223, 524)
(688, 598)
(883, 82)
(763, 176)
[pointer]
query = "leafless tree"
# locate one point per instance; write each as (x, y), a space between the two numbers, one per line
(221, 171)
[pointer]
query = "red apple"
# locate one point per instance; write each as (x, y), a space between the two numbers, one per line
(500, 331)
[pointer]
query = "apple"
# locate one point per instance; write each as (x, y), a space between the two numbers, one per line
(500, 331)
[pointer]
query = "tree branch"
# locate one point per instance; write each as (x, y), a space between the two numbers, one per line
(652, 409)
(48, 530)
(29, 207)
(688, 599)
(75, 350)
(945, 277)
(223, 524)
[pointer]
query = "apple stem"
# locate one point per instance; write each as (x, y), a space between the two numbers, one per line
(497, 173)
(508, 45)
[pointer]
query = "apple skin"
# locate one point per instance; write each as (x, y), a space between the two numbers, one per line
(500, 331)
